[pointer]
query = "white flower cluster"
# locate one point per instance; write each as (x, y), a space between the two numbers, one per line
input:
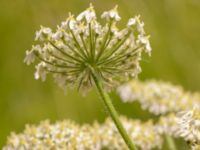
(167, 125)
(179, 110)
(144, 135)
(189, 125)
(81, 46)
(60, 136)
(184, 124)
(158, 97)
(71, 136)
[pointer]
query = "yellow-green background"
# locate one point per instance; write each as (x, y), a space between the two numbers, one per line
(174, 26)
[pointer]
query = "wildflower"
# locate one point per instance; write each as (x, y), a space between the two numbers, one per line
(136, 22)
(144, 41)
(81, 46)
(61, 135)
(88, 14)
(167, 125)
(158, 97)
(189, 125)
(69, 135)
(111, 15)
(184, 124)
(30, 55)
(43, 33)
(144, 135)
(131, 22)
(41, 71)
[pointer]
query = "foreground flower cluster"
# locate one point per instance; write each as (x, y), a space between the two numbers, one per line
(71, 136)
(81, 46)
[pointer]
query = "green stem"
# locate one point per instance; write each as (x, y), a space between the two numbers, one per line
(112, 112)
(170, 142)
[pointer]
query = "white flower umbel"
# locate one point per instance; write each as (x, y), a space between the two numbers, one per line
(144, 135)
(189, 125)
(65, 135)
(167, 125)
(68, 135)
(84, 53)
(158, 97)
(81, 43)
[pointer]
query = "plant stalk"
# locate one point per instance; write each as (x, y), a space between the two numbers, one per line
(112, 112)
(170, 142)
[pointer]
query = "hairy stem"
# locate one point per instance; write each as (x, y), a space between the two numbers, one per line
(170, 142)
(112, 112)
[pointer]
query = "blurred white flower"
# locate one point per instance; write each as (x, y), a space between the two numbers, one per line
(89, 14)
(43, 33)
(158, 97)
(112, 14)
(144, 40)
(68, 135)
(41, 71)
(30, 55)
(131, 22)
(126, 93)
(167, 124)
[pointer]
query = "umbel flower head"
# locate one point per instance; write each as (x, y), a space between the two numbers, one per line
(189, 125)
(167, 125)
(184, 124)
(63, 135)
(82, 46)
(144, 134)
(68, 135)
(158, 97)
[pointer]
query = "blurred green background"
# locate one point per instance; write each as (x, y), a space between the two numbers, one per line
(174, 26)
